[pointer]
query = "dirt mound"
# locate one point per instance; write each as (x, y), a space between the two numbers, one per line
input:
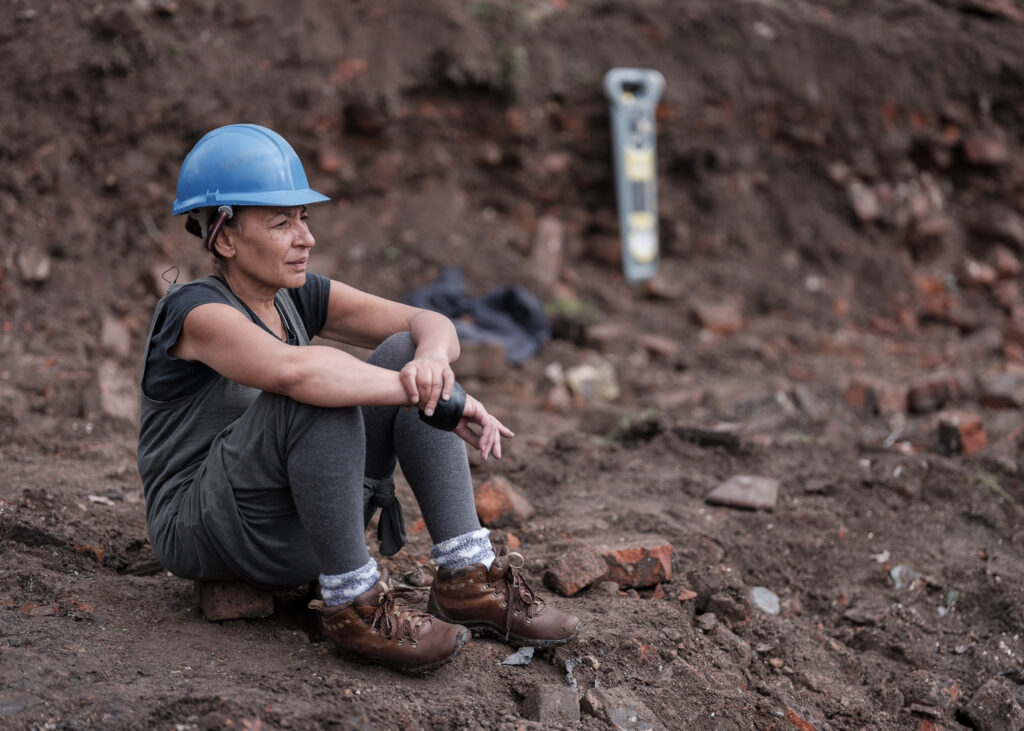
(841, 192)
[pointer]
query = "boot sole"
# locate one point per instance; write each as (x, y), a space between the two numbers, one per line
(492, 631)
(460, 641)
(486, 628)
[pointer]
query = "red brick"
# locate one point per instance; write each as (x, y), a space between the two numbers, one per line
(221, 600)
(961, 432)
(499, 504)
(576, 569)
(876, 396)
(934, 391)
(639, 563)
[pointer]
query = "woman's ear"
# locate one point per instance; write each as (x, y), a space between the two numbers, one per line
(225, 243)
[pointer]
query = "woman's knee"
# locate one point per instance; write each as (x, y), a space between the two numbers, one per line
(346, 419)
(394, 352)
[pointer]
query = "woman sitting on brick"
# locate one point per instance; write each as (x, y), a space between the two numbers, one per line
(263, 457)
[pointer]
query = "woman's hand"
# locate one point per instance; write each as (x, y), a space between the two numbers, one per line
(426, 378)
(489, 439)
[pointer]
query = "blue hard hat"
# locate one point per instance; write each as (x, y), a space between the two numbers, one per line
(242, 165)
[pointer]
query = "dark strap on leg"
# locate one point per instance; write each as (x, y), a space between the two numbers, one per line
(380, 493)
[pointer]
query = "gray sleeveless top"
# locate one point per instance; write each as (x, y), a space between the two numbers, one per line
(175, 436)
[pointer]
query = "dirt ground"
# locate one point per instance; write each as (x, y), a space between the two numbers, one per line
(842, 228)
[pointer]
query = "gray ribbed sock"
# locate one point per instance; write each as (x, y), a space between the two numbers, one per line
(341, 588)
(464, 550)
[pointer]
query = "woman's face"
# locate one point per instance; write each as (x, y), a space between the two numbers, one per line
(270, 245)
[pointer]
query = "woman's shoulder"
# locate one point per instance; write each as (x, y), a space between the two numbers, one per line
(203, 287)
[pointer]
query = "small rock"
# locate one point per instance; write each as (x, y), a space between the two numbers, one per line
(418, 577)
(924, 688)
(522, 656)
(720, 318)
(987, 150)
(706, 621)
(607, 337)
(903, 576)
(33, 265)
(1007, 263)
(551, 704)
(658, 346)
(686, 595)
(113, 392)
(499, 504)
(618, 708)
(746, 491)
(489, 153)
(765, 599)
(999, 223)
(1001, 391)
(864, 202)
(576, 569)
(115, 338)
(994, 707)
(594, 380)
(547, 254)
(485, 360)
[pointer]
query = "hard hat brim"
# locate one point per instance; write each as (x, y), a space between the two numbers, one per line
(280, 198)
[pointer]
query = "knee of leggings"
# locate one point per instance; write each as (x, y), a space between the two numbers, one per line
(344, 419)
(394, 352)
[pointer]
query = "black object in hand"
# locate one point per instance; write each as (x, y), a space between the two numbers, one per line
(447, 414)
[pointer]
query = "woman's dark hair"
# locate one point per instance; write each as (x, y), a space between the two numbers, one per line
(198, 224)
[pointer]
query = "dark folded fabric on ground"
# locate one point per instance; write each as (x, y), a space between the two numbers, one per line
(511, 315)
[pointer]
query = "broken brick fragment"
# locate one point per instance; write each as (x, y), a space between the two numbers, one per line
(876, 396)
(576, 569)
(934, 391)
(499, 504)
(640, 563)
(962, 433)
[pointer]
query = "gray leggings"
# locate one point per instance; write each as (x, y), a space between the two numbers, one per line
(283, 488)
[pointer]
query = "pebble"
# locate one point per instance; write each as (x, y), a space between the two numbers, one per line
(903, 576)
(765, 599)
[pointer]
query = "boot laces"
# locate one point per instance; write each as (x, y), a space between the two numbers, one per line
(399, 621)
(516, 593)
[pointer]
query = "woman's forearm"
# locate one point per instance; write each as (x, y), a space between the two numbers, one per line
(434, 333)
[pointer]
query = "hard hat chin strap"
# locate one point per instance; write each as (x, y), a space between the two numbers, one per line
(223, 214)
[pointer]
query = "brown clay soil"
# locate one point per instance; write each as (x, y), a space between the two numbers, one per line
(842, 225)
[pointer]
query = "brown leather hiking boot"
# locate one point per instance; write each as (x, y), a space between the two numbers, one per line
(375, 628)
(499, 602)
